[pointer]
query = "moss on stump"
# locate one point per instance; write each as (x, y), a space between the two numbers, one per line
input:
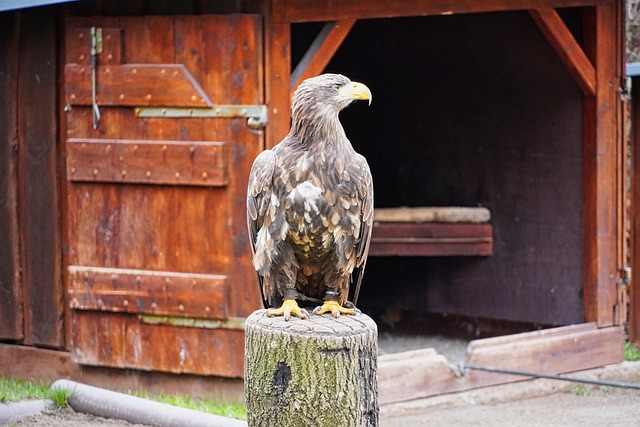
(319, 371)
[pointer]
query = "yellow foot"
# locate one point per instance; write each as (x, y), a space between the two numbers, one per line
(289, 307)
(334, 308)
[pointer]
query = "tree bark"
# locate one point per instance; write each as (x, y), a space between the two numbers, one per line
(320, 371)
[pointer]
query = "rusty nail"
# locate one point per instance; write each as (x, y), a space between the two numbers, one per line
(164, 148)
(154, 305)
(121, 96)
(95, 171)
(123, 172)
(148, 97)
(204, 175)
(207, 309)
(148, 174)
(181, 307)
(125, 303)
(81, 57)
(73, 170)
(193, 97)
(177, 174)
(72, 96)
(134, 71)
(163, 71)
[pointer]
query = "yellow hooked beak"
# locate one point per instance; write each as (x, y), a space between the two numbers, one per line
(356, 90)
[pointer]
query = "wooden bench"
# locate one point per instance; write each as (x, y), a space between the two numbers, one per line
(432, 231)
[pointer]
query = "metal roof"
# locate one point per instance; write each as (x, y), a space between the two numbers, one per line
(23, 4)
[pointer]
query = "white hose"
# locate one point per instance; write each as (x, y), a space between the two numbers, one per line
(105, 403)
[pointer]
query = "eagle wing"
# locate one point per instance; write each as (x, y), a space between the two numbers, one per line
(364, 187)
(260, 207)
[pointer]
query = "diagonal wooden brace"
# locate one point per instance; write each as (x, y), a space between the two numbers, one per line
(566, 46)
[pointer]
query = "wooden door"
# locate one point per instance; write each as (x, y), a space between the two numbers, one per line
(159, 272)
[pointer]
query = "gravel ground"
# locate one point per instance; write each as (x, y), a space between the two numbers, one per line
(538, 402)
(580, 407)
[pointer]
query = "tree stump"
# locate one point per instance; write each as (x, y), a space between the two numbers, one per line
(319, 371)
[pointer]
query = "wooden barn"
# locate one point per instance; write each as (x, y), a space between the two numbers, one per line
(128, 129)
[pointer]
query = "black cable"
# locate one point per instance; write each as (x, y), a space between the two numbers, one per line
(464, 367)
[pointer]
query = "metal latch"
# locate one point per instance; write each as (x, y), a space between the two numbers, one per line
(256, 114)
(96, 48)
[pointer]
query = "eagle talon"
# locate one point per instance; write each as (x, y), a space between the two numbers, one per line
(289, 307)
(334, 308)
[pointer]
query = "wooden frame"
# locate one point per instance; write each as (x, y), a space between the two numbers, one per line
(634, 297)
(593, 70)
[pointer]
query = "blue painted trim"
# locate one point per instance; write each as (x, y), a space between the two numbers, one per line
(633, 69)
(23, 4)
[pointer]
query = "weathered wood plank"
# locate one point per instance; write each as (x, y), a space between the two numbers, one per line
(11, 315)
(154, 292)
(48, 365)
(408, 375)
(556, 354)
(39, 202)
(566, 46)
(125, 341)
(321, 51)
(601, 159)
(326, 10)
(634, 291)
(432, 214)
(431, 239)
(278, 74)
(158, 85)
(147, 162)
(554, 351)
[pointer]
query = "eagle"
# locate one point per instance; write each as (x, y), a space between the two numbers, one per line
(310, 206)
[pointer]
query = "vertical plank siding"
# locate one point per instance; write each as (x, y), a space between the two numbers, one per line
(11, 315)
(39, 198)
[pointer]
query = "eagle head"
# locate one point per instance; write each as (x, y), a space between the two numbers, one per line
(318, 100)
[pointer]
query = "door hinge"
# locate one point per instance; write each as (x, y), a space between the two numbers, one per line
(622, 298)
(256, 114)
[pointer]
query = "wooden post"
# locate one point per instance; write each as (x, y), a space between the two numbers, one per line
(319, 371)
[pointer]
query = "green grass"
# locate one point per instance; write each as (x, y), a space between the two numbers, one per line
(631, 352)
(231, 410)
(13, 390)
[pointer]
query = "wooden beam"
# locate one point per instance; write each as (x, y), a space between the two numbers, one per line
(48, 365)
(328, 10)
(321, 51)
(634, 297)
(277, 77)
(566, 46)
(423, 373)
(602, 156)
